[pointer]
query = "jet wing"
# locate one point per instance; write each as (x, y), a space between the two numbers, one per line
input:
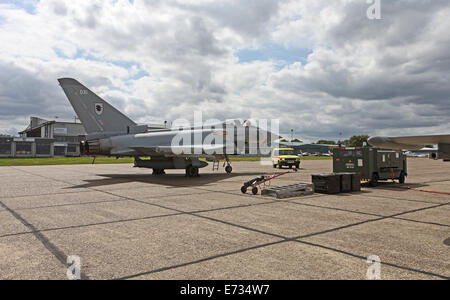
(192, 150)
(408, 142)
(422, 140)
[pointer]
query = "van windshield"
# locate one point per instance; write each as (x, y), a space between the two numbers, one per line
(287, 152)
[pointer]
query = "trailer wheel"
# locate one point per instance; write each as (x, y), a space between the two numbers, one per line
(402, 178)
(243, 189)
(374, 180)
(255, 190)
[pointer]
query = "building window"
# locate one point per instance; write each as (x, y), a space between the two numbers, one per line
(60, 151)
(43, 149)
(5, 148)
(72, 149)
(67, 139)
(23, 148)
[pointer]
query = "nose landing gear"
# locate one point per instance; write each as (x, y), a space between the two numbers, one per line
(228, 168)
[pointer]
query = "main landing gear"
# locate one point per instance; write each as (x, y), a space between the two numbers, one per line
(192, 171)
(158, 172)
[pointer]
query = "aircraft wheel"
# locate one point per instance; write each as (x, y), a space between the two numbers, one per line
(228, 169)
(157, 172)
(243, 189)
(191, 171)
(402, 178)
(254, 190)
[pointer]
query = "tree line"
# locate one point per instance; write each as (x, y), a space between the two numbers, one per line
(354, 141)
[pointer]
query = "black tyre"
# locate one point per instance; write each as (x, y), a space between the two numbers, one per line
(254, 190)
(297, 166)
(374, 180)
(280, 167)
(191, 171)
(402, 178)
(290, 166)
(243, 189)
(229, 169)
(158, 172)
(275, 166)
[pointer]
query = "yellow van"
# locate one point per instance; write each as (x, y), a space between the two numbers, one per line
(285, 157)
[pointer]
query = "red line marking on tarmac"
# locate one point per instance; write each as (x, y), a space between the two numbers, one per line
(420, 190)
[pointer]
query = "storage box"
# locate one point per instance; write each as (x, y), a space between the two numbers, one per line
(355, 182)
(346, 182)
(327, 183)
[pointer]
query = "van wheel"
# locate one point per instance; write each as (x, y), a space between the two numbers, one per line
(402, 178)
(374, 180)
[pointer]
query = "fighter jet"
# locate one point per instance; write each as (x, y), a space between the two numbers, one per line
(414, 143)
(111, 133)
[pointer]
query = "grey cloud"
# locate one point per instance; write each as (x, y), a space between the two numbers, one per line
(404, 85)
(403, 22)
(249, 18)
(409, 60)
(90, 16)
(23, 94)
(60, 8)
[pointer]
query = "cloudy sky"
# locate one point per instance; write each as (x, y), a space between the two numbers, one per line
(322, 67)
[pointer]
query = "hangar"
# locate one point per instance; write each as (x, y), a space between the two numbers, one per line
(52, 138)
(49, 138)
(44, 138)
(309, 148)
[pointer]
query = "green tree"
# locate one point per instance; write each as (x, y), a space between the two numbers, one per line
(356, 141)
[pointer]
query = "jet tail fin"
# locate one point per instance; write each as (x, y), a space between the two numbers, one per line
(97, 115)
